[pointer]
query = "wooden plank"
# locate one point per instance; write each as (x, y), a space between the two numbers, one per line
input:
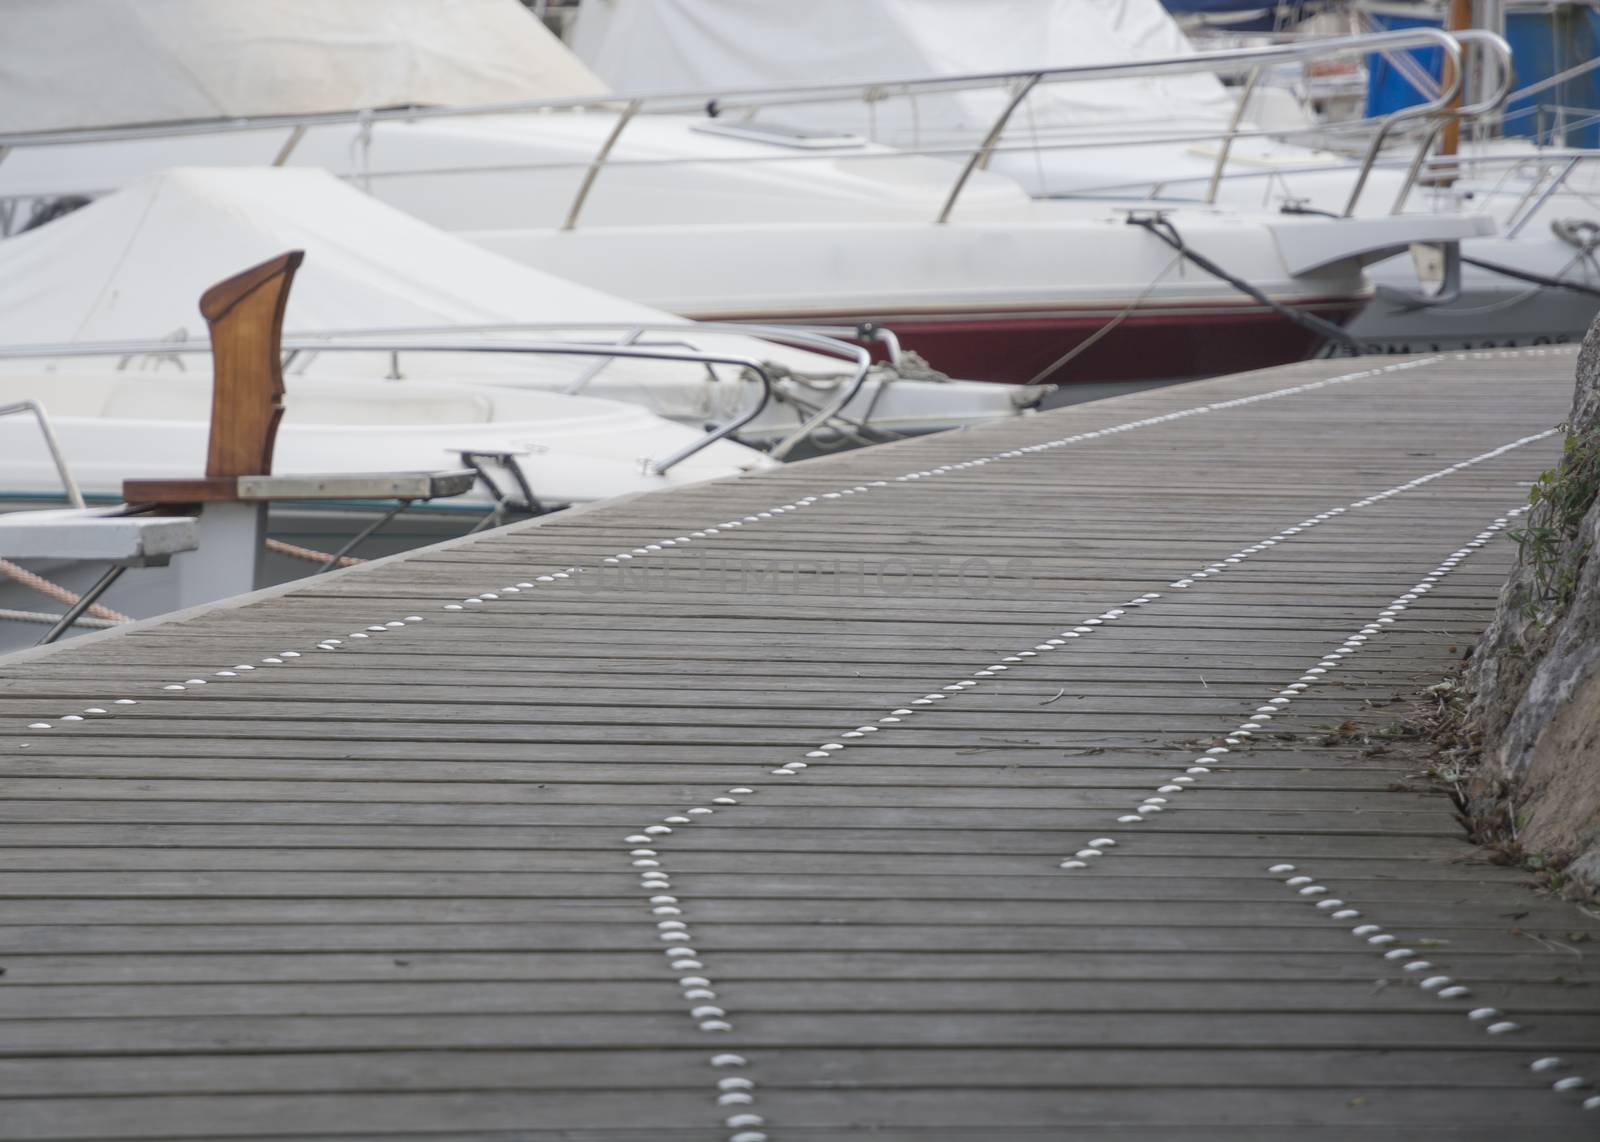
(384, 891)
(530, 997)
(594, 1114)
(621, 1029)
(805, 1069)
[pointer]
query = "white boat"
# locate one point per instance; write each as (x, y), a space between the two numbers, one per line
(682, 214)
(129, 267)
(114, 425)
(1152, 137)
(1111, 136)
(133, 266)
(118, 425)
(111, 425)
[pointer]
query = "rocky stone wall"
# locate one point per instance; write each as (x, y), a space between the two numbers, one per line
(1535, 675)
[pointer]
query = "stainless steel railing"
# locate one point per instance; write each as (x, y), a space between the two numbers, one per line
(1463, 164)
(33, 407)
(830, 340)
(1531, 202)
(296, 344)
(1492, 49)
(1495, 51)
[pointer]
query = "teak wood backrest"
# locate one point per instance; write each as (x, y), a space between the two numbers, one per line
(245, 313)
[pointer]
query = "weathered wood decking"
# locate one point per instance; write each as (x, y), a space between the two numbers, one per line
(764, 834)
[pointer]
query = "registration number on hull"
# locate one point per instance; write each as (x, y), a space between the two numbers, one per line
(1401, 348)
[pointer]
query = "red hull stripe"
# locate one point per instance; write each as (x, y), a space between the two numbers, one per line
(1150, 344)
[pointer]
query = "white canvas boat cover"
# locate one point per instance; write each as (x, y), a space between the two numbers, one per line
(132, 266)
(645, 45)
(68, 64)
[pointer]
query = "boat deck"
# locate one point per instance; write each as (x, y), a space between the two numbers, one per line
(1032, 782)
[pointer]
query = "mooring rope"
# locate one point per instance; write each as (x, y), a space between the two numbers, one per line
(56, 591)
(294, 551)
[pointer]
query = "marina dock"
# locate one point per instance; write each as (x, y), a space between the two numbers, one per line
(1044, 780)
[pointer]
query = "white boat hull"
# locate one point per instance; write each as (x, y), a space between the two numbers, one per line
(115, 426)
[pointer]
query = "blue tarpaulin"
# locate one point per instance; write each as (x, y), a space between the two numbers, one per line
(1543, 42)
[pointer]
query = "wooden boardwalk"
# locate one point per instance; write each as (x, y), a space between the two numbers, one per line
(1022, 783)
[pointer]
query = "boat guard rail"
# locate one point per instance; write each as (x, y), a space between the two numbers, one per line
(1493, 51)
(389, 341)
(68, 484)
